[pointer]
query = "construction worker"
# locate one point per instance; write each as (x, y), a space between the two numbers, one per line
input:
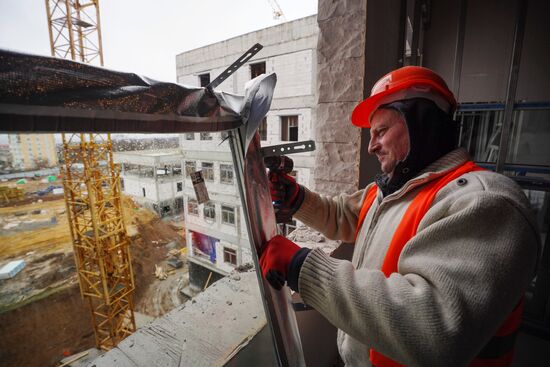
(444, 250)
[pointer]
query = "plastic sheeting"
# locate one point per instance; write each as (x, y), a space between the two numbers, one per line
(44, 94)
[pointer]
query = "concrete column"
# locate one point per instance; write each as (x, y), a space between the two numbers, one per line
(384, 45)
(340, 80)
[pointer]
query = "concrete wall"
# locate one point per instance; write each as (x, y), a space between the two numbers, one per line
(340, 74)
(488, 43)
(154, 191)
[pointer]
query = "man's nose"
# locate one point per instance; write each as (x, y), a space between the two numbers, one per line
(374, 145)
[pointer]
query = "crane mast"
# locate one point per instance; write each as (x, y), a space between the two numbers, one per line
(91, 183)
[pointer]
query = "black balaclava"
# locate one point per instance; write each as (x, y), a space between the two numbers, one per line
(432, 134)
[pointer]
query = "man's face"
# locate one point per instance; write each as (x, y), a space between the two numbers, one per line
(389, 138)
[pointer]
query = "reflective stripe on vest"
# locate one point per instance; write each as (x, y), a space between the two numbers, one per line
(499, 351)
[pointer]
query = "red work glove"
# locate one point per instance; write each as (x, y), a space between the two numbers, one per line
(275, 259)
(286, 194)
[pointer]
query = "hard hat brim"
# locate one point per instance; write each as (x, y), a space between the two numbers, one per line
(362, 114)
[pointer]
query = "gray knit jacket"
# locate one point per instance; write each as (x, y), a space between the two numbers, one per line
(458, 278)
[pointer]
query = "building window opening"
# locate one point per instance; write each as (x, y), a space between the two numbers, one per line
(209, 211)
(165, 210)
(204, 79)
(192, 207)
(179, 186)
(207, 171)
(206, 136)
(289, 128)
(146, 171)
(189, 136)
(228, 215)
(480, 133)
(143, 190)
(226, 173)
(257, 69)
(263, 129)
(176, 171)
(178, 204)
(163, 171)
(230, 256)
(190, 167)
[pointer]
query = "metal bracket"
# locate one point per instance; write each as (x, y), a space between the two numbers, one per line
(286, 149)
(233, 67)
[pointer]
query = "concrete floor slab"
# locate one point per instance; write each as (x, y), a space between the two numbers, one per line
(207, 330)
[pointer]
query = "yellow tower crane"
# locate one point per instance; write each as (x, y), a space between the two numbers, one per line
(92, 189)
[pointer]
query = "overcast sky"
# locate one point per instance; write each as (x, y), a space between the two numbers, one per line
(144, 36)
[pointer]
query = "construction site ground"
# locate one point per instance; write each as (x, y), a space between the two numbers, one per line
(41, 309)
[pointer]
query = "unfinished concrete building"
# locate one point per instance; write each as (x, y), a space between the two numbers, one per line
(215, 231)
(154, 179)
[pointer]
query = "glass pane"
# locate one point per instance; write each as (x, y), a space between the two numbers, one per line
(144, 216)
(226, 173)
(207, 171)
(538, 292)
(480, 133)
(206, 136)
(178, 247)
(540, 203)
(530, 137)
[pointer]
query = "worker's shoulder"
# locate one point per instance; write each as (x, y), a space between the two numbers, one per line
(485, 184)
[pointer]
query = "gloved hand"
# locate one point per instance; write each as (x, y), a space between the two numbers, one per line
(275, 259)
(286, 194)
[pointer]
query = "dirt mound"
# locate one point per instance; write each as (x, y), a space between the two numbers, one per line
(58, 320)
(149, 248)
(39, 333)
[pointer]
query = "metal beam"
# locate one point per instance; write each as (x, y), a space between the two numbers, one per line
(519, 31)
(459, 47)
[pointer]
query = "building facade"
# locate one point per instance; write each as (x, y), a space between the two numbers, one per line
(32, 151)
(216, 234)
(153, 178)
(216, 231)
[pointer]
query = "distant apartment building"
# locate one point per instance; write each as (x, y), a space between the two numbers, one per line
(5, 157)
(153, 178)
(32, 151)
(216, 232)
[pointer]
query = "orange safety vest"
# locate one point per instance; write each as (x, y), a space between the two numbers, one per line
(499, 351)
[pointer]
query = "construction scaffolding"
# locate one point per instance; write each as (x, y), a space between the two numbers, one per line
(101, 246)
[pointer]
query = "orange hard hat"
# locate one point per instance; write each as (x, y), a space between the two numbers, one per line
(404, 83)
